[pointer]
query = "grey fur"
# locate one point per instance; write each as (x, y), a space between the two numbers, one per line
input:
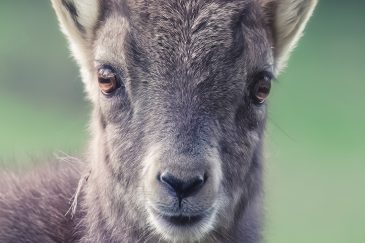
(185, 106)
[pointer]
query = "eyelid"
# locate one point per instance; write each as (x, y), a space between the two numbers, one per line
(117, 70)
(104, 64)
(266, 74)
(98, 64)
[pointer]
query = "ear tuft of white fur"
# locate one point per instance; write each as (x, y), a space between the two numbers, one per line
(78, 19)
(289, 18)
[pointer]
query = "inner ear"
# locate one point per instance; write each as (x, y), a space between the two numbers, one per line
(286, 20)
(78, 20)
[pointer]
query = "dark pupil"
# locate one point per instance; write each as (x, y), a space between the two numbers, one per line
(264, 89)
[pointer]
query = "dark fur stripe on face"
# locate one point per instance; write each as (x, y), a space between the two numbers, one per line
(71, 9)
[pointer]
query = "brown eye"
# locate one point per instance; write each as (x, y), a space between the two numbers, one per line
(262, 87)
(107, 80)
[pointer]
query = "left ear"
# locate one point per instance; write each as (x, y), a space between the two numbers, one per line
(287, 19)
(78, 20)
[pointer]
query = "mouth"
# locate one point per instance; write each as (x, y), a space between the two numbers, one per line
(182, 220)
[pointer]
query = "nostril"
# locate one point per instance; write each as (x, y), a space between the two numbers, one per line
(172, 183)
(182, 187)
(196, 182)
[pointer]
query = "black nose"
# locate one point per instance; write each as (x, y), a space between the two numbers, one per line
(182, 188)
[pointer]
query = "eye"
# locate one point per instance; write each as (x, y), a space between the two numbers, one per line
(107, 79)
(262, 86)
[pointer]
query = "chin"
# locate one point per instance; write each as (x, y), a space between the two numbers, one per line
(182, 228)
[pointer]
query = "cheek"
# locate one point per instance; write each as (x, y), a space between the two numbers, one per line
(124, 156)
(239, 143)
(250, 118)
(150, 168)
(261, 113)
(251, 124)
(116, 108)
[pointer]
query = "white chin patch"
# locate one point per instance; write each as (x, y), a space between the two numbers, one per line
(186, 233)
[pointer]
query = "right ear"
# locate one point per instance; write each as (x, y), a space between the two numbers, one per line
(78, 20)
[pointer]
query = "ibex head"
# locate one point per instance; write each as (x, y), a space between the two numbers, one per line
(179, 90)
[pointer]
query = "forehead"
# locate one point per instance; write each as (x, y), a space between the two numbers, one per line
(186, 33)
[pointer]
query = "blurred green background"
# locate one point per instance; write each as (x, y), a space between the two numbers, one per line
(315, 175)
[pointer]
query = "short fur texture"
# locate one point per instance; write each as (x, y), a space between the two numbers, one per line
(184, 106)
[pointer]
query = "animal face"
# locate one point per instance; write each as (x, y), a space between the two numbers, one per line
(184, 118)
(179, 90)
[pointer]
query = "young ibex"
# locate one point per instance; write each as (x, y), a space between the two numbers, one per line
(178, 89)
